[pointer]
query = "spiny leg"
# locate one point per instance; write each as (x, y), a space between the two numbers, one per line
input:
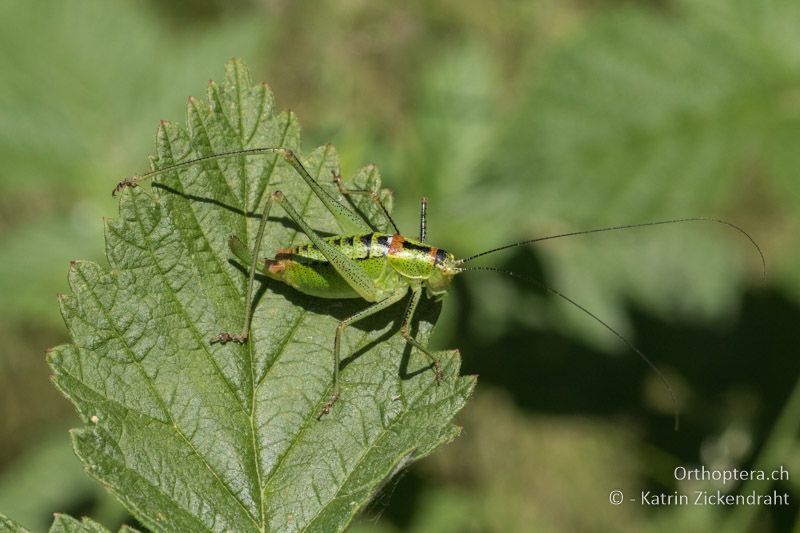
(348, 220)
(241, 337)
(405, 331)
(349, 269)
(354, 275)
(337, 178)
(357, 278)
(369, 311)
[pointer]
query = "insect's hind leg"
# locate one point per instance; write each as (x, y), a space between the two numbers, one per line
(348, 220)
(369, 311)
(405, 331)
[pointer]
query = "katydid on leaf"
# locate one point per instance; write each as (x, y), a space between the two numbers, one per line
(380, 268)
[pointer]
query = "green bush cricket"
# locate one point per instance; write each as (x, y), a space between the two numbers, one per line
(379, 268)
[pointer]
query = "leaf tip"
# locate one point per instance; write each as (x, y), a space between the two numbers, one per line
(53, 357)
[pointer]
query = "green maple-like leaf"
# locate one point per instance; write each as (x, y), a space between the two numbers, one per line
(195, 437)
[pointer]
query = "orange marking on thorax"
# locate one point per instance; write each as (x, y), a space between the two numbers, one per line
(397, 244)
(432, 254)
(284, 254)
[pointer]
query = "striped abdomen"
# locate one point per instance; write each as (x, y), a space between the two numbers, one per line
(356, 247)
(390, 260)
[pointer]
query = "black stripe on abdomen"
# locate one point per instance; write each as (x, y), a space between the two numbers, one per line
(366, 240)
(416, 247)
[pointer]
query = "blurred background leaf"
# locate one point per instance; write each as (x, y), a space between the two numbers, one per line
(525, 119)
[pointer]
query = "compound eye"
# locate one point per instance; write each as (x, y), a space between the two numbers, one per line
(441, 255)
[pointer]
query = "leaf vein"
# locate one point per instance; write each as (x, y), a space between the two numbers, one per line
(159, 399)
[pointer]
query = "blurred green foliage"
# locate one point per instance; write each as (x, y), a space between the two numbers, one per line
(518, 120)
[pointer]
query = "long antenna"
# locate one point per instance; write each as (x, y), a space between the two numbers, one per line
(423, 218)
(627, 226)
(619, 335)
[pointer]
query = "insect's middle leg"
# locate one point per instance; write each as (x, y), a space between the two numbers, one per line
(337, 342)
(405, 331)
